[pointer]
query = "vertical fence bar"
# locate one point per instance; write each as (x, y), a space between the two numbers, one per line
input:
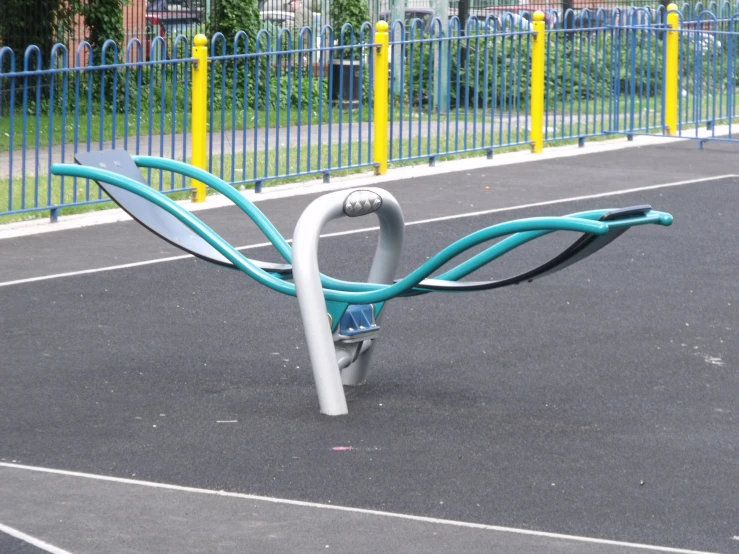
(199, 112)
(671, 67)
(380, 98)
(537, 84)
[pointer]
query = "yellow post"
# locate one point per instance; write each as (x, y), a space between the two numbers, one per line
(671, 65)
(537, 84)
(199, 112)
(380, 98)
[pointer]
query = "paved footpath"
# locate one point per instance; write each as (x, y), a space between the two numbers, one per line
(510, 126)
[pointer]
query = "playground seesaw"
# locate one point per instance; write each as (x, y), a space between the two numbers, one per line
(341, 319)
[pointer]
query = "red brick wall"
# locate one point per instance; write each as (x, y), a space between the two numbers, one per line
(134, 22)
(134, 26)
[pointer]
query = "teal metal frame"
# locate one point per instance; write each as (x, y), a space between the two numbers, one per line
(347, 300)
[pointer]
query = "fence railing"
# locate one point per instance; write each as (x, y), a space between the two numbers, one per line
(453, 92)
(280, 108)
(288, 105)
(50, 111)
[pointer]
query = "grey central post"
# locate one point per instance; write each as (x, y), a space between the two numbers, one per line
(324, 354)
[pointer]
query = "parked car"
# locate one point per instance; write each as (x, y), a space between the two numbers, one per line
(520, 16)
(173, 9)
(590, 19)
(509, 22)
(425, 15)
(549, 16)
(167, 19)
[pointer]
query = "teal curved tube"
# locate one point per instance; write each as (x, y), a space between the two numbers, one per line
(522, 231)
(519, 239)
(183, 215)
(282, 246)
(256, 215)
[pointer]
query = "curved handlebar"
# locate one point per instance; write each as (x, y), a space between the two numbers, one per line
(336, 290)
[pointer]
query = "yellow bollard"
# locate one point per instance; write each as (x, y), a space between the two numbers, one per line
(671, 66)
(380, 98)
(199, 112)
(537, 84)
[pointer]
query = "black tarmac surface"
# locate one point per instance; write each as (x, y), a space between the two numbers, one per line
(11, 545)
(599, 402)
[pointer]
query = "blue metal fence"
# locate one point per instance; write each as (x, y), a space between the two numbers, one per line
(605, 73)
(578, 82)
(707, 83)
(51, 109)
(452, 92)
(288, 106)
(280, 109)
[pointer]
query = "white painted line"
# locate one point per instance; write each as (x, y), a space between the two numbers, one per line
(375, 228)
(86, 271)
(38, 543)
(303, 504)
(576, 198)
(115, 267)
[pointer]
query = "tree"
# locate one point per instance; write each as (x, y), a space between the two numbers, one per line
(104, 21)
(39, 22)
(463, 14)
(354, 12)
(231, 16)
(568, 16)
(46, 22)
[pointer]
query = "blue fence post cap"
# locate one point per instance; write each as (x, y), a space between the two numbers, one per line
(200, 40)
(538, 15)
(381, 27)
